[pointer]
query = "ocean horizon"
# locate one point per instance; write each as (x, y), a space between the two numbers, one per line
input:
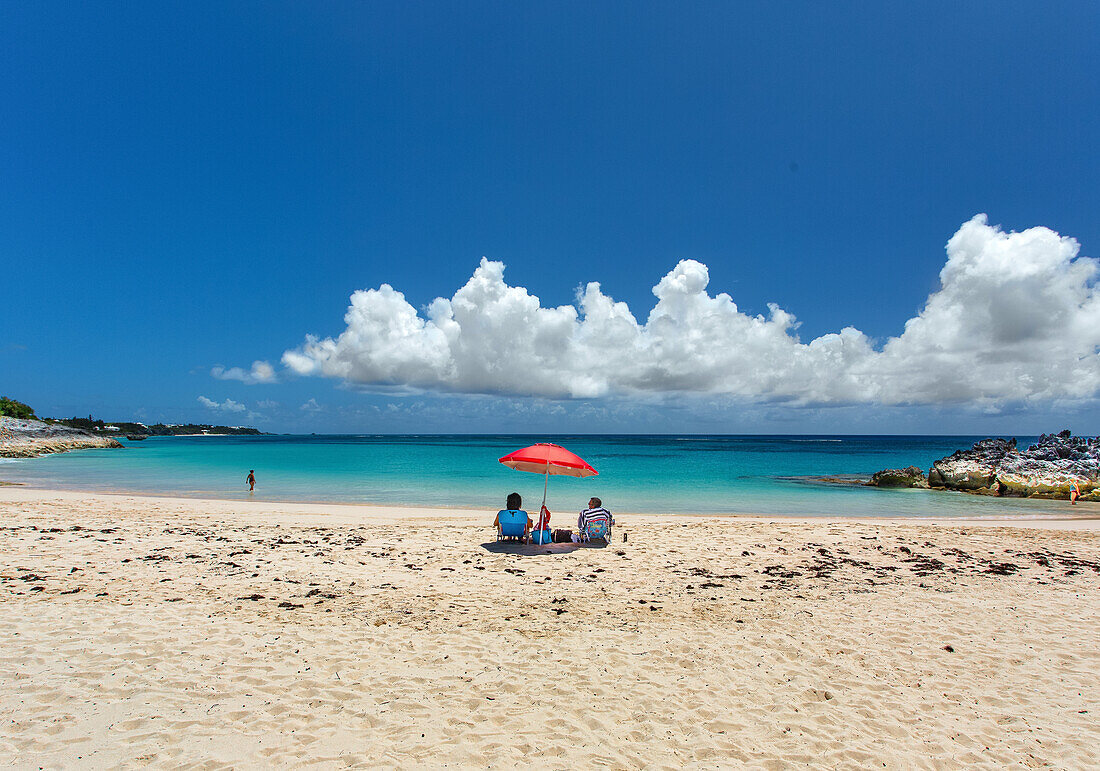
(774, 474)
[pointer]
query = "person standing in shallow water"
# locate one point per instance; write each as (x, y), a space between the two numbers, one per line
(251, 479)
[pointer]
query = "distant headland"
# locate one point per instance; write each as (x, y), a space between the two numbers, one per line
(25, 435)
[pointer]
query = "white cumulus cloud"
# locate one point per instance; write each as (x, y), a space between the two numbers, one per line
(261, 372)
(227, 406)
(1016, 317)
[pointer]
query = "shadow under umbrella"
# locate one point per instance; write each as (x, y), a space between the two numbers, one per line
(529, 549)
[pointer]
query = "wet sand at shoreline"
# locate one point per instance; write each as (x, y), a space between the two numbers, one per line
(179, 631)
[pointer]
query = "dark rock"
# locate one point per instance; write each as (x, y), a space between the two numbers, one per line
(892, 477)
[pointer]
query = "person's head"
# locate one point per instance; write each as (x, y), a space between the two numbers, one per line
(514, 501)
(594, 503)
(252, 471)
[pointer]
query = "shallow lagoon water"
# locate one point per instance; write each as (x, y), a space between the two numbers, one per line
(645, 474)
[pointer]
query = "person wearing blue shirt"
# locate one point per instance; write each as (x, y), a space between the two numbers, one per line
(513, 504)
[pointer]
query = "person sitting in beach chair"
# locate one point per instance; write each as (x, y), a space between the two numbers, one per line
(594, 523)
(513, 522)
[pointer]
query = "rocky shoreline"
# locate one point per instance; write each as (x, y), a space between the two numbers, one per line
(33, 438)
(1046, 469)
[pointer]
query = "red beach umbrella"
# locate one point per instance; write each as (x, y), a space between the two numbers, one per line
(548, 459)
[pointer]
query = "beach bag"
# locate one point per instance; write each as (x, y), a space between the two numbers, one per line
(541, 537)
(563, 536)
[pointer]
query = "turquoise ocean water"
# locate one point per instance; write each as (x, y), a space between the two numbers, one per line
(650, 474)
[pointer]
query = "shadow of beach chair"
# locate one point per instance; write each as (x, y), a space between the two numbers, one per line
(513, 524)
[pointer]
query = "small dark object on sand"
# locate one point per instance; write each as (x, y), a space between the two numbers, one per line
(949, 649)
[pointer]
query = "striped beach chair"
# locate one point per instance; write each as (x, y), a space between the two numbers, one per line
(595, 525)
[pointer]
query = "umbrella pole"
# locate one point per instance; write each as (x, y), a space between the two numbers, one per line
(545, 484)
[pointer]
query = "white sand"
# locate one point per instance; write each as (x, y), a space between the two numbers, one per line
(411, 640)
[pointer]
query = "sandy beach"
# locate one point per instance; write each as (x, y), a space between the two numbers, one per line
(182, 632)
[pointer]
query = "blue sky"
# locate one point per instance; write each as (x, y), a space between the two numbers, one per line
(183, 188)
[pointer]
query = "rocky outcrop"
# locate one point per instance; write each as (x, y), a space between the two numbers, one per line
(1046, 469)
(913, 476)
(1049, 467)
(31, 438)
(971, 469)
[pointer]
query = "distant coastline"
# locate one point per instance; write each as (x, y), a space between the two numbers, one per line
(25, 435)
(134, 429)
(22, 438)
(33, 438)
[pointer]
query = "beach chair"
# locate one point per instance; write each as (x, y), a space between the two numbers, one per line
(513, 524)
(597, 527)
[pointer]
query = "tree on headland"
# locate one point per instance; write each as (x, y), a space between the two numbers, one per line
(11, 408)
(87, 424)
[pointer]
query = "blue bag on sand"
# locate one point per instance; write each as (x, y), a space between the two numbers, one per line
(541, 536)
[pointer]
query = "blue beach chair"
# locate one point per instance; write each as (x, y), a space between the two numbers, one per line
(513, 523)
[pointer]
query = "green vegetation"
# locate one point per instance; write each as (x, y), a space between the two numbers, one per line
(122, 427)
(160, 429)
(87, 424)
(10, 408)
